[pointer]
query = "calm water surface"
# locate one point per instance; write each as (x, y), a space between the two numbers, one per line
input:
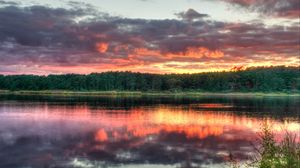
(136, 132)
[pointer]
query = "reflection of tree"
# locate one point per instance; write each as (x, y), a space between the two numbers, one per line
(277, 107)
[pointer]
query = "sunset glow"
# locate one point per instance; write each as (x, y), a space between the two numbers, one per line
(56, 37)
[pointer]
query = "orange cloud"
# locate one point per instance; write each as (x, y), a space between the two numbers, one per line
(101, 47)
(146, 52)
(192, 52)
(202, 52)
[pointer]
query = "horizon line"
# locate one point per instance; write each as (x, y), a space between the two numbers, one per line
(233, 69)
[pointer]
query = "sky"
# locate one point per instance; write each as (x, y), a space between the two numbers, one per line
(153, 36)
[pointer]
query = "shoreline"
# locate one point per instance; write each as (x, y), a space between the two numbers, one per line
(147, 93)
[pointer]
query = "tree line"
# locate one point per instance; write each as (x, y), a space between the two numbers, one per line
(264, 79)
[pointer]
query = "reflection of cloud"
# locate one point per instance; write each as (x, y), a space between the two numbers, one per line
(188, 131)
(161, 134)
(101, 135)
(191, 124)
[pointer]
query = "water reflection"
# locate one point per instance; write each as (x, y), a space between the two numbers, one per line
(112, 132)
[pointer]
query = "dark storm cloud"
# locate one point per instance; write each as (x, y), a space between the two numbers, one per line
(40, 35)
(278, 8)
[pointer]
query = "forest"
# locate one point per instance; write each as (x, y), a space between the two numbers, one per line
(253, 79)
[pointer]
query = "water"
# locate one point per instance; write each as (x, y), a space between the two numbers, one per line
(137, 132)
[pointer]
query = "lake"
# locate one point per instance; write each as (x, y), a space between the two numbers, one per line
(87, 132)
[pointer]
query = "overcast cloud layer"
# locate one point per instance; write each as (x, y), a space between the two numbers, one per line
(82, 39)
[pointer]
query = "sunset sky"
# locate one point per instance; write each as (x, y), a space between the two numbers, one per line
(156, 36)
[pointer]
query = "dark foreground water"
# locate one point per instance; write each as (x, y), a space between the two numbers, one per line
(37, 132)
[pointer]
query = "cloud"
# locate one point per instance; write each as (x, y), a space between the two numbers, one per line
(52, 40)
(191, 15)
(102, 47)
(282, 8)
(8, 3)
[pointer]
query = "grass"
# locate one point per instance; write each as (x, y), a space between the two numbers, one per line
(147, 93)
(272, 154)
(285, 154)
